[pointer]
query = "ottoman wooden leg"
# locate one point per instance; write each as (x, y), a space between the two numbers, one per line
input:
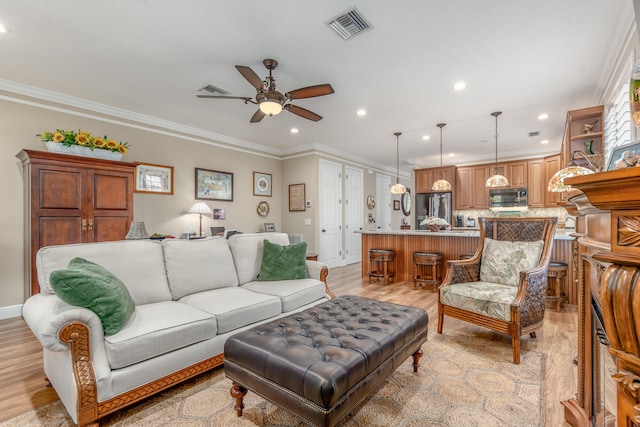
(238, 392)
(416, 357)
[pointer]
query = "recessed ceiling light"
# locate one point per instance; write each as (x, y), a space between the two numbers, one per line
(294, 130)
(452, 154)
(3, 29)
(426, 137)
(543, 116)
(362, 112)
(459, 85)
(544, 141)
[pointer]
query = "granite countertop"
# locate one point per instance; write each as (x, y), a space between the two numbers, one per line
(561, 233)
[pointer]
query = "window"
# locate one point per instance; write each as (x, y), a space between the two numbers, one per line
(617, 122)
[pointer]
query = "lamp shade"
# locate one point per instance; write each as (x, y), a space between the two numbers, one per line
(398, 189)
(556, 183)
(201, 208)
(441, 184)
(496, 180)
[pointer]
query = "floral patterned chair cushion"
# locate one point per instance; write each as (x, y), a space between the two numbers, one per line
(491, 299)
(502, 261)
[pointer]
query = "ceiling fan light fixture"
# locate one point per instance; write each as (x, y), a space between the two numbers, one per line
(271, 102)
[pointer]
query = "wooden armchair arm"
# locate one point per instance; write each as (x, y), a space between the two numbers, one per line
(530, 299)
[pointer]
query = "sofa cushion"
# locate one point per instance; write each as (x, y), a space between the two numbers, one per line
(502, 261)
(198, 265)
(491, 299)
(292, 293)
(158, 328)
(235, 307)
(86, 284)
(283, 262)
(139, 264)
(247, 252)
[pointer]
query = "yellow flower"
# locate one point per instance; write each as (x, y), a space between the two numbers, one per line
(82, 138)
(57, 137)
(45, 136)
(111, 144)
(122, 149)
(99, 142)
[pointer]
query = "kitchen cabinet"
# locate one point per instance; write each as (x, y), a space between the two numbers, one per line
(426, 177)
(536, 184)
(516, 173)
(471, 192)
(583, 132)
(73, 199)
(552, 164)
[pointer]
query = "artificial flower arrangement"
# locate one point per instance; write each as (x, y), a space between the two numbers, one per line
(434, 223)
(85, 139)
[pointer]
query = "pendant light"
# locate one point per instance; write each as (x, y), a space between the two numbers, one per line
(441, 184)
(398, 188)
(556, 183)
(497, 180)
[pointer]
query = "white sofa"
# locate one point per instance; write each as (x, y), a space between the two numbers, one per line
(190, 296)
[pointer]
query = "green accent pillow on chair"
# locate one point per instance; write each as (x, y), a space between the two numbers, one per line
(283, 262)
(89, 285)
(502, 261)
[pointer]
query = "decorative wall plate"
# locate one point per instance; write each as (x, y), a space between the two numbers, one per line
(263, 208)
(371, 202)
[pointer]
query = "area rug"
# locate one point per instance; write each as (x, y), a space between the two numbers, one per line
(462, 381)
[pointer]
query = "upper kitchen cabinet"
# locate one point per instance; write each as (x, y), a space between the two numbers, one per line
(583, 132)
(426, 177)
(551, 166)
(471, 192)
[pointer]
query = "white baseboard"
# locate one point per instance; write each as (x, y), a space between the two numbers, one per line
(10, 311)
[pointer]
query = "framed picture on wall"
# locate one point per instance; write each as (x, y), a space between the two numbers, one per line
(396, 205)
(214, 185)
(155, 179)
(625, 156)
(262, 184)
(296, 198)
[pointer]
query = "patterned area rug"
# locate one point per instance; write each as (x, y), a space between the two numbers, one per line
(462, 381)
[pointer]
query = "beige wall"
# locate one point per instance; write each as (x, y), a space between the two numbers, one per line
(164, 214)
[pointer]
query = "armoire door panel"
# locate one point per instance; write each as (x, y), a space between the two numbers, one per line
(109, 228)
(60, 189)
(111, 192)
(60, 231)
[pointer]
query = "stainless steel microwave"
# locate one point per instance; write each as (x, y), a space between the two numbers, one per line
(508, 198)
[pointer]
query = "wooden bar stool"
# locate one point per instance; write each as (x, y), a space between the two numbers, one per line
(382, 264)
(427, 269)
(555, 280)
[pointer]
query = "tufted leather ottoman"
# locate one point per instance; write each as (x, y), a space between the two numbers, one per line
(320, 363)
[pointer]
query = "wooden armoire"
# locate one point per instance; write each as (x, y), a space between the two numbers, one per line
(72, 199)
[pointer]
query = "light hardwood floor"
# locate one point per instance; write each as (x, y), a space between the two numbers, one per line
(22, 377)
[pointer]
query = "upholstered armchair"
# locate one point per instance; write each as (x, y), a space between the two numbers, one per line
(503, 286)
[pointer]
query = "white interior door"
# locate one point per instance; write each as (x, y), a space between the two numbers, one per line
(353, 213)
(383, 202)
(330, 213)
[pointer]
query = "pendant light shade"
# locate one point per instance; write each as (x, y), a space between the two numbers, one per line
(496, 180)
(441, 184)
(398, 188)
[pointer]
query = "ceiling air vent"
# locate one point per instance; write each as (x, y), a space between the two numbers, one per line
(349, 24)
(215, 90)
(532, 134)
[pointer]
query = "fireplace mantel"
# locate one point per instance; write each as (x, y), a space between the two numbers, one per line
(609, 204)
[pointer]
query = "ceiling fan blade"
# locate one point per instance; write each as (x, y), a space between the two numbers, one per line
(251, 76)
(246, 99)
(310, 91)
(257, 116)
(302, 112)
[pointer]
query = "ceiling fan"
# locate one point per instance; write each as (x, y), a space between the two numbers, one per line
(269, 100)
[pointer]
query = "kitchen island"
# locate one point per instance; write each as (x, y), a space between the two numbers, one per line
(452, 244)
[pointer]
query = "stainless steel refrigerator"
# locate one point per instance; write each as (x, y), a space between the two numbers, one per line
(433, 204)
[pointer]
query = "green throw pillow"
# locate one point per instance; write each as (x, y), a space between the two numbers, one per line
(502, 261)
(283, 262)
(89, 285)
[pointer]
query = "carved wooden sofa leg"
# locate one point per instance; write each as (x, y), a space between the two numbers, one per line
(416, 358)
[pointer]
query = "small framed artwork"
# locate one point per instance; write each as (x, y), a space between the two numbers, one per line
(396, 205)
(262, 184)
(269, 227)
(214, 185)
(155, 179)
(625, 156)
(219, 214)
(296, 197)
